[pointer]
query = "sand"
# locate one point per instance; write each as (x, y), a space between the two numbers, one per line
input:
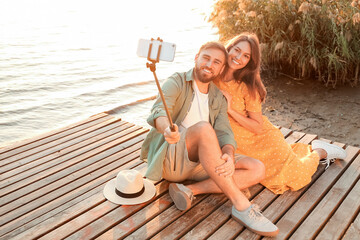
(308, 106)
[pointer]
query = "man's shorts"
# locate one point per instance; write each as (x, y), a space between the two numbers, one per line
(177, 166)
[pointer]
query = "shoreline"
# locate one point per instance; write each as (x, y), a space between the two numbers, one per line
(304, 105)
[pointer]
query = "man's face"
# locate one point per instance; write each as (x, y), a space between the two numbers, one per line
(209, 63)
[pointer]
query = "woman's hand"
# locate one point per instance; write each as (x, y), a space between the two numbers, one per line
(253, 122)
(228, 98)
(226, 169)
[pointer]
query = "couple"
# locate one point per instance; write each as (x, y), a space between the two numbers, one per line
(204, 142)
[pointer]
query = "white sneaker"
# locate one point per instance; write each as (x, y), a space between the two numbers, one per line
(333, 152)
(255, 221)
(181, 196)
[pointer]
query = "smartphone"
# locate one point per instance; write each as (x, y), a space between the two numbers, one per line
(167, 52)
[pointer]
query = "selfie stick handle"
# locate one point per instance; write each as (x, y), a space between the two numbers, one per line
(152, 67)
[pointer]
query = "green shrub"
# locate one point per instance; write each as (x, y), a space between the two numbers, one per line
(317, 39)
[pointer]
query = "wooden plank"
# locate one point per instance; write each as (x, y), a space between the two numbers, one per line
(343, 217)
(354, 231)
(23, 169)
(308, 201)
(127, 218)
(52, 183)
(232, 228)
(352, 234)
(61, 170)
(323, 211)
(67, 192)
(127, 214)
(70, 210)
(285, 131)
(104, 212)
(216, 219)
(147, 227)
(91, 181)
(27, 144)
(40, 169)
(49, 147)
(294, 137)
(263, 199)
(177, 228)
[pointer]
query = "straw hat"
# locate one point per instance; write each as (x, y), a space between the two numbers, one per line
(129, 188)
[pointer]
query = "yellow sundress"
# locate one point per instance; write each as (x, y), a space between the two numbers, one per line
(288, 166)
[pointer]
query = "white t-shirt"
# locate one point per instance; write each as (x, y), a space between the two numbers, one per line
(199, 109)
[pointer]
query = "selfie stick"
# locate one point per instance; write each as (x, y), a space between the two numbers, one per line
(153, 68)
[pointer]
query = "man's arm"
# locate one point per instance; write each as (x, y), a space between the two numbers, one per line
(229, 150)
(161, 123)
(222, 126)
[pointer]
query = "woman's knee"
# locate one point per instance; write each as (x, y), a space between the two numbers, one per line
(254, 165)
(259, 168)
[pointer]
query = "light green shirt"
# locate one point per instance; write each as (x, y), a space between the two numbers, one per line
(178, 93)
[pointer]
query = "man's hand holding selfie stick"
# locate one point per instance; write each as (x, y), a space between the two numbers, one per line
(172, 136)
(163, 126)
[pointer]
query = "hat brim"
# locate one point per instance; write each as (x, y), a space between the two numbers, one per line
(109, 194)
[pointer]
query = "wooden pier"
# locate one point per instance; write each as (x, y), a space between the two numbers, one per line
(51, 188)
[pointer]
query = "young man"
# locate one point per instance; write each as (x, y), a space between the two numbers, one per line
(202, 146)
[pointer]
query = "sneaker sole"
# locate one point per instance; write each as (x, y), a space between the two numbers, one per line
(180, 201)
(266, 234)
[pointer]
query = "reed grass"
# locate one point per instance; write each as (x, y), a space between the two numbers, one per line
(318, 39)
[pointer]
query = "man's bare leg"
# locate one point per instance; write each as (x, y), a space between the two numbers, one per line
(248, 172)
(202, 144)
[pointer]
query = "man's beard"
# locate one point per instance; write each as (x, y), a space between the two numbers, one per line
(202, 77)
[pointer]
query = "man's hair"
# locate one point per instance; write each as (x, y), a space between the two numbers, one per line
(215, 45)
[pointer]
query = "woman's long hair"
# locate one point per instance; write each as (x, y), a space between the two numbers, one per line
(250, 74)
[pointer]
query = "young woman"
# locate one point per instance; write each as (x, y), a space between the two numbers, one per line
(286, 166)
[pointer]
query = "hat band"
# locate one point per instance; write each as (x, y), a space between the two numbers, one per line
(130, 195)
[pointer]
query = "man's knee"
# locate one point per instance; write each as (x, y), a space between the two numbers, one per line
(201, 130)
(202, 126)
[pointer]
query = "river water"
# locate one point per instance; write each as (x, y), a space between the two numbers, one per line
(63, 61)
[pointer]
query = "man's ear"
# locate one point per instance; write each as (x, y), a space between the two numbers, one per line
(196, 57)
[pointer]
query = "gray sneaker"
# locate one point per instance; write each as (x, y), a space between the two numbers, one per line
(181, 196)
(255, 221)
(333, 152)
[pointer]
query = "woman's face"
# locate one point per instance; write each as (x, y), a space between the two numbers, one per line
(239, 55)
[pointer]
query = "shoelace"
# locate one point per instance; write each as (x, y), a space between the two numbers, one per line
(327, 162)
(191, 196)
(255, 212)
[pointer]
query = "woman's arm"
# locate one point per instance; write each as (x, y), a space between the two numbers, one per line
(254, 122)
